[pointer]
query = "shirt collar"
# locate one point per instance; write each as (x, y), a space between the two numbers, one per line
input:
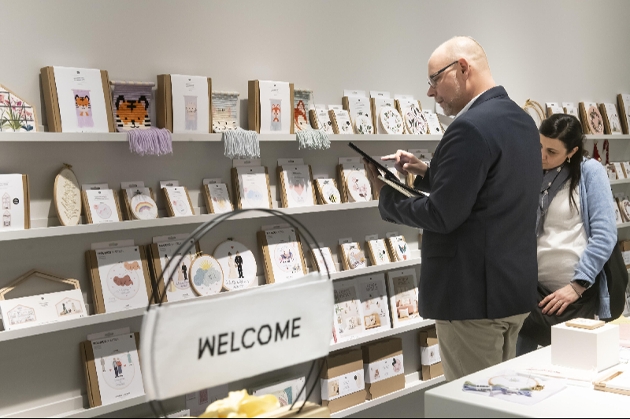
(467, 107)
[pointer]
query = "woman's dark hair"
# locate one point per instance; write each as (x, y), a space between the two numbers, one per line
(567, 128)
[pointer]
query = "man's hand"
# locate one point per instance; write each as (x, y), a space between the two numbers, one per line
(557, 302)
(407, 163)
(373, 174)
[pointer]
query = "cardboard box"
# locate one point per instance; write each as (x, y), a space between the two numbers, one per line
(253, 106)
(383, 352)
(585, 349)
(430, 355)
(164, 103)
(341, 365)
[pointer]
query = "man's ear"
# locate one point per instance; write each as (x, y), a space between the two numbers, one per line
(464, 67)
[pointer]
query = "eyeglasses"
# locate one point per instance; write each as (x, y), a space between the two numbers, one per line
(432, 78)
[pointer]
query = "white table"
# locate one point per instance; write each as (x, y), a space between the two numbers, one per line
(449, 400)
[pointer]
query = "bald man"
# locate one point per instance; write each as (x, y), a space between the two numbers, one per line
(479, 266)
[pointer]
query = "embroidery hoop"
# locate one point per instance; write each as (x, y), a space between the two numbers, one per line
(138, 199)
(363, 125)
(535, 110)
(327, 188)
(69, 178)
(199, 291)
(362, 181)
(243, 250)
(592, 113)
(415, 121)
(391, 120)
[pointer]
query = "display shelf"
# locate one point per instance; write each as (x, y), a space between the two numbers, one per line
(421, 324)
(623, 226)
(608, 137)
(104, 410)
(371, 270)
(619, 182)
(73, 137)
(46, 232)
(412, 385)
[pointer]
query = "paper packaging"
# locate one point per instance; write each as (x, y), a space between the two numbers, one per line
(253, 106)
(625, 251)
(430, 355)
(164, 102)
(15, 203)
(339, 365)
(392, 377)
(599, 348)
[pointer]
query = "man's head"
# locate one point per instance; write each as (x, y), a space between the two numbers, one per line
(458, 71)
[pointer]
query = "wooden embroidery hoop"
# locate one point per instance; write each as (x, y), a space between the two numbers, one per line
(127, 203)
(43, 275)
(322, 199)
(68, 174)
(537, 108)
(389, 123)
(191, 276)
(246, 249)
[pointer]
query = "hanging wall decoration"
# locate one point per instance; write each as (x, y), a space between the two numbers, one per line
(224, 111)
(16, 115)
(308, 138)
(238, 264)
(133, 102)
(271, 107)
(67, 194)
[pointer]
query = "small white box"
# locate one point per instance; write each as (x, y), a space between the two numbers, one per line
(585, 349)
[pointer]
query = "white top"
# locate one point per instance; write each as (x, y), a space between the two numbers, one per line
(472, 101)
(562, 242)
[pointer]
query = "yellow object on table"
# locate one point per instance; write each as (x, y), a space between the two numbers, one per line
(239, 404)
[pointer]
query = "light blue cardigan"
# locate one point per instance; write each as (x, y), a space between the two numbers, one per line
(600, 225)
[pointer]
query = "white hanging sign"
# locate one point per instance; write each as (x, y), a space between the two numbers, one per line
(210, 351)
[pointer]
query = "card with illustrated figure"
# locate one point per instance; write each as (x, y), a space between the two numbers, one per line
(77, 100)
(217, 197)
(238, 264)
(341, 122)
(162, 252)
(399, 249)
(360, 111)
(327, 192)
(120, 278)
(612, 124)
(435, 126)
(372, 291)
(283, 256)
(592, 121)
(112, 369)
(348, 313)
(206, 275)
(296, 186)
(286, 392)
(251, 187)
(183, 104)
(623, 102)
(138, 201)
(270, 107)
(101, 206)
(67, 196)
(178, 201)
(224, 111)
(571, 109)
(352, 257)
(302, 104)
(355, 185)
(323, 259)
(378, 251)
(15, 209)
(320, 119)
(403, 296)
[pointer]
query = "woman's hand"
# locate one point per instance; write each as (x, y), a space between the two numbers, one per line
(407, 163)
(557, 302)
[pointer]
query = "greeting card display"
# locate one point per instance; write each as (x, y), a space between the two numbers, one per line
(206, 275)
(161, 254)
(372, 292)
(379, 254)
(378, 104)
(399, 249)
(623, 101)
(120, 278)
(296, 184)
(178, 201)
(435, 126)
(101, 206)
(34, 310)
(238, 264)
(184, 103)
(553, 108)
(390, 120)
(612, 125)
(270, 107)
(16, 115)
(416, 122)
(16, 204)
(571, 109)
(112, 369)
(251, 187)
(327, 192)
(302, 104)
(75, 100)
(592, 121)
(356, 186)
(139, 203)
(341, 121)
(67, 196)
(224, 111)
(320, 119)
(360, 111)
(348, 315)
(286, 392)
(323, 259)
(403, 296)
(352, 257)
(217, 198)
(282, 252)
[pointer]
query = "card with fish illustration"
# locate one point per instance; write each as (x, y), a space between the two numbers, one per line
(101, 206)
(190, 104)
(120, 278)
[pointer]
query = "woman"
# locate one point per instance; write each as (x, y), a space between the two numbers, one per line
(576, 232)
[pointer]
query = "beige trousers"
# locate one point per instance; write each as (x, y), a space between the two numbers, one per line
(468, 346)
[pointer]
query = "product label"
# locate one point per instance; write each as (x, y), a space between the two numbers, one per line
(12, 194)
(384, 369)
(343, 385)
(430, 355)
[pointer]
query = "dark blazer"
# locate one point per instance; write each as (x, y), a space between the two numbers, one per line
(479, 244)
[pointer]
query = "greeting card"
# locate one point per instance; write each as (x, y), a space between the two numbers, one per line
(390, 120)
(372, 292)
(327, 192)
(297, 186)
(252, 187)
(378, 103)
(320, 119)
(218, 198)
(399, 248)
(612, 124)
(284, 260)
(435, 126)
(238, 264)
(162, 254)
(571, 109)
(360, 111)
(179, 204)
(352, 256)
(101, 206)
(592, 120)
(190, 104)
(275, 107)
(15, 208)
(341, 121)
(623, 100)
(379, 254)
(357, 185)
(324, 260)
(403, 296)
(348, 313)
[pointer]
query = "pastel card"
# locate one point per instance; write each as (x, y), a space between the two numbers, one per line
(117, 368)
(81, 100)
(400, 248)
(206, 275)
(220, 198)
(372, 291)
(613, 118)
(13, 202)
(20, 313)
(238, 264)
(179, 201)
(102, 206)
(323, 119)
(348, 313)
(141, 204)
(379, 252)
(298, 186)
(191, 104)
(324, 260)
(122, 278)
(285, 254)
(359, 187)
(435, 127)
(403, 292)
(179, 289)
(254, 189)
(328, 191)
(275, 107)
(355, 257)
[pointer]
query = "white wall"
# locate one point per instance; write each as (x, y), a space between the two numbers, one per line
(562, 50)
